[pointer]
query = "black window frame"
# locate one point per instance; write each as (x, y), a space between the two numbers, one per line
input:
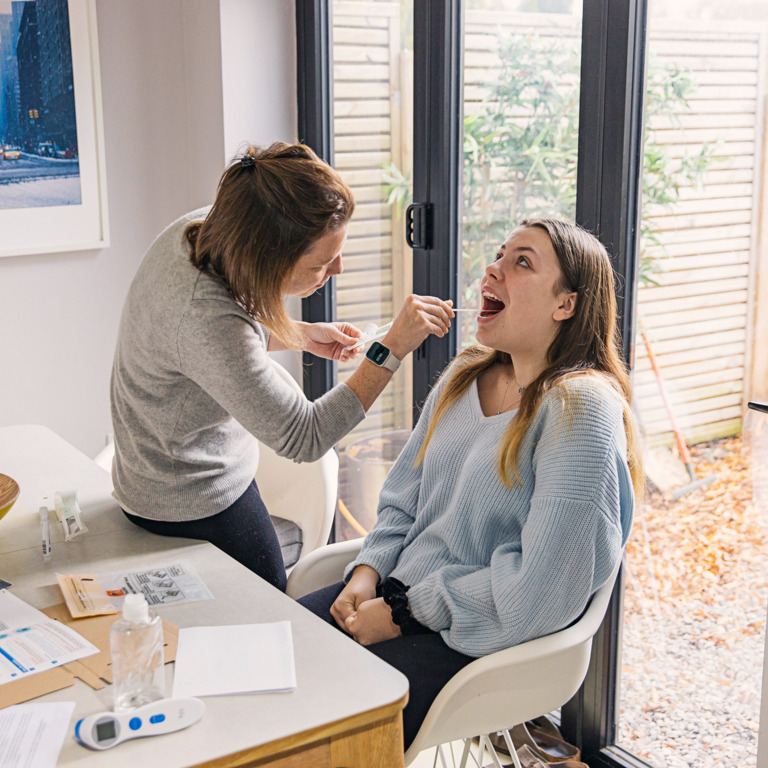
(607, 204)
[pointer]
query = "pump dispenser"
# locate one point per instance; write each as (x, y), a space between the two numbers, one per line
(136, 642)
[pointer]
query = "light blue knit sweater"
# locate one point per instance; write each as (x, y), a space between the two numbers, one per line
(489, 566)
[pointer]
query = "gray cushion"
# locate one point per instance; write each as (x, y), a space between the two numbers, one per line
(290, 538)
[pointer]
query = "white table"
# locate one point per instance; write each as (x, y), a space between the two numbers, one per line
(346, 709)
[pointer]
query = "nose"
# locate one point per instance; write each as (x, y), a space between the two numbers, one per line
(336, 267)
(493, 270)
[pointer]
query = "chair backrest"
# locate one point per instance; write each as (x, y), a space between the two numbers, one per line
(511, 686)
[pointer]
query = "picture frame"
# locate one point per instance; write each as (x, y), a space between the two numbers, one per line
(34, 222)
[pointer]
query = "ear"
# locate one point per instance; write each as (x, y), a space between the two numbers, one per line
(566, 307)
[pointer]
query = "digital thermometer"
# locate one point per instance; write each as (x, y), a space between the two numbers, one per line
(108, 729)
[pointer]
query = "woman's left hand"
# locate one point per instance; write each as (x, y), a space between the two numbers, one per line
(372, 623)
(330, 339)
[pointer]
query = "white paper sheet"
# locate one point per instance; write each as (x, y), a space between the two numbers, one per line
(31, 735)
(243, 658)
(30, 642)
(161, 584)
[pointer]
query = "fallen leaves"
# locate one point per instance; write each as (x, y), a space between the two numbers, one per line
(707, 546)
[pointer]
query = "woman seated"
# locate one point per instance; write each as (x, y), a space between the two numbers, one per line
(512, 500)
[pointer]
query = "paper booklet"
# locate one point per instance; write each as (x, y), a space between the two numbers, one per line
(30, 642)
(244, 658)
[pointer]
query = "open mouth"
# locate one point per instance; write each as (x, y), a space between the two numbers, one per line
(491, 305)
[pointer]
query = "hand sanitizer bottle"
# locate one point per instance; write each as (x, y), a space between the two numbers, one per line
(136, 642)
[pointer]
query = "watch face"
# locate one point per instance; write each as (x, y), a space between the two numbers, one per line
(377, 353)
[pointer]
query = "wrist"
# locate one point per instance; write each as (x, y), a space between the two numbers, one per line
(393, 345)
(366, 574)
(395, 595)
(304, 331)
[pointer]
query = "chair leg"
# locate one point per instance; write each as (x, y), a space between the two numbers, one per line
(486, 746)
(511, 747)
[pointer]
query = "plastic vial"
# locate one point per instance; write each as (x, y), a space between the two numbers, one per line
(136, 642)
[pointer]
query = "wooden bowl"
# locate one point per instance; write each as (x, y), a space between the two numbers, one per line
(9, 492)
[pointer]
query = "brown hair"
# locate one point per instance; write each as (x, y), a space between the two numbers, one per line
(586, 343)
(271, 205)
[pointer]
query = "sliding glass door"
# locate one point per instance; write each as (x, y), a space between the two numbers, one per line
(452, 121)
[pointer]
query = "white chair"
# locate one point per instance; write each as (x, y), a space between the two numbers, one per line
(494, 692)
(304, 494)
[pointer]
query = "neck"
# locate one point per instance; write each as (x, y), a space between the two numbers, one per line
(527, 369)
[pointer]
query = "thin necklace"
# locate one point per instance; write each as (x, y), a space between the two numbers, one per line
(520, 391)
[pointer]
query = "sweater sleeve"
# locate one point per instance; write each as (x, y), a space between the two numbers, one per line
(398, 503)
(579, 515)
(222, 353)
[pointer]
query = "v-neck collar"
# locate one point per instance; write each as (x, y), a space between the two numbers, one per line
(478, 409)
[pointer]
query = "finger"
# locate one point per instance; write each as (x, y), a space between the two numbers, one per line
(338, 618)
(341, 611)
(445, 304)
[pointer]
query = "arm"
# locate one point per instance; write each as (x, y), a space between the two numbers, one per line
(571, 539)
(398, 503)
(222, 351)
(328, 340)
(419, 317)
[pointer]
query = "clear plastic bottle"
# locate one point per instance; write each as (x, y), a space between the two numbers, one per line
(136, 642)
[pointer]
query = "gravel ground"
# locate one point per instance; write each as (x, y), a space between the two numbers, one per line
(696, 597)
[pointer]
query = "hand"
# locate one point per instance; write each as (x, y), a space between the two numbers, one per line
(329, 339)
(361, 587)
(419, 317)
(372, 623)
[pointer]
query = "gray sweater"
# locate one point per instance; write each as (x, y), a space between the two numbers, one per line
(490, 566)
(193, 387)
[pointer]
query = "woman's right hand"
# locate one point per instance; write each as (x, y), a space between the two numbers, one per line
(419, 317)
(361, 587)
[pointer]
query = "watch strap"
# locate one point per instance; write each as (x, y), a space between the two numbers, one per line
(382, 356)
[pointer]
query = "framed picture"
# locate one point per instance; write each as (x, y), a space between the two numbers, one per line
(52, 175)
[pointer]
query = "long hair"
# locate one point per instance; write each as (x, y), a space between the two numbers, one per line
(271, 205)
(585, 344)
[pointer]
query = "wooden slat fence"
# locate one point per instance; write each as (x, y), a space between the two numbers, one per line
(699, 316)
(368, 134)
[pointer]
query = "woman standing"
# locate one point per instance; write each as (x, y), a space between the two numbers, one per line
(192, 385)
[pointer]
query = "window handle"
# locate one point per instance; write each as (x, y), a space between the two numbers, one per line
(418, 225)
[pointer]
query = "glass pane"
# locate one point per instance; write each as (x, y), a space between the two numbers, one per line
(697, 577)
(521, 117)
(373, 119)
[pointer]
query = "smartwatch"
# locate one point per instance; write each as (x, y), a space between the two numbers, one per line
(382, 356)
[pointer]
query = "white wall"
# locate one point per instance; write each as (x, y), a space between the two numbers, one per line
(164, 117)
(258, 66)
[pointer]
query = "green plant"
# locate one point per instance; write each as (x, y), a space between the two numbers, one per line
(521, 147)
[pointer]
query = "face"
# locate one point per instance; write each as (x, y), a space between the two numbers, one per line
(522, 304)
(317, 264)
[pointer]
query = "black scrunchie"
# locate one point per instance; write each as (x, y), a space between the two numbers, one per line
(247, 162)
(394, 593)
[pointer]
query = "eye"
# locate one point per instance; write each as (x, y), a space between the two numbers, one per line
(499, 255)
(523, 261)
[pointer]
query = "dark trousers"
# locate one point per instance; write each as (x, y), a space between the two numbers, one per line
(424, 659)
(244, 531)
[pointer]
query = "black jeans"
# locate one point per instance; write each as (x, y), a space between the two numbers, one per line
(424, 659)
(244, 531)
